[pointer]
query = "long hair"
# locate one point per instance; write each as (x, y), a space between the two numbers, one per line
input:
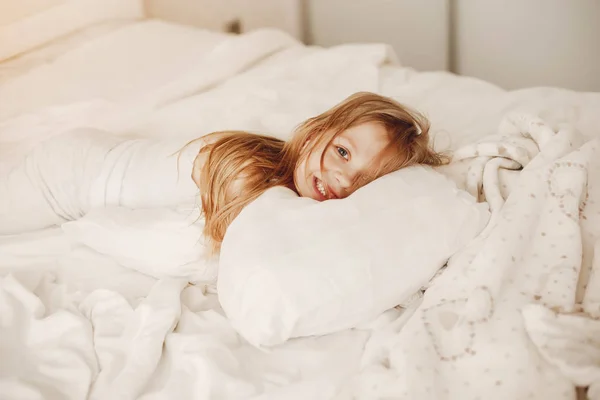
(240, 166)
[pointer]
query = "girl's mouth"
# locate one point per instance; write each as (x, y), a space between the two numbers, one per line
(322, 191)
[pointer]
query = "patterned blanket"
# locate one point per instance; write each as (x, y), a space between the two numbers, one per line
(514, 315)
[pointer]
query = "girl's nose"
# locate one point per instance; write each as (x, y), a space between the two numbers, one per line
(343, 177)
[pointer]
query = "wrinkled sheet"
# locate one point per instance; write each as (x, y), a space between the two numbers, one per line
(75, 324)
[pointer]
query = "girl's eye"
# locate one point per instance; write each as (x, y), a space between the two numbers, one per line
(342, 152)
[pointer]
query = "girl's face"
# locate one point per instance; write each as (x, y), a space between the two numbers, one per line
(351, 152)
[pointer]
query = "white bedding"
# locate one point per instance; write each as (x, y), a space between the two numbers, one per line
(113, 64)
(48, 53)
(74, 323)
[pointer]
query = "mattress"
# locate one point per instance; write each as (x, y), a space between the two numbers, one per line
(78, 323)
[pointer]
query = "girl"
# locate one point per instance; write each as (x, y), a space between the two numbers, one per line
(329, 157)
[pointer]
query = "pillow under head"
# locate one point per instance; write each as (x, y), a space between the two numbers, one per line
(292, 267)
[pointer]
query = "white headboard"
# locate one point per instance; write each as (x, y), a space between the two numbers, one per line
(26, 24)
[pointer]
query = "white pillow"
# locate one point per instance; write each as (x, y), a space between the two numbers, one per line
(292, 267)
(160, 242)
(49, 20)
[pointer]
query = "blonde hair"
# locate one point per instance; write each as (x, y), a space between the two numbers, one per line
(263, 162)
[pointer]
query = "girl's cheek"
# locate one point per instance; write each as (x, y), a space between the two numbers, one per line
(330, 160)
(315, 162)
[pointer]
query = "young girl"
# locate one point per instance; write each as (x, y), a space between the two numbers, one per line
(329, 157)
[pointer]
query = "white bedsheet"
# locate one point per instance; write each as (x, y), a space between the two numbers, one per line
(76, 324)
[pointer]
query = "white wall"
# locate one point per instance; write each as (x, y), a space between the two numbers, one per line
(520, 43)
(417, 29)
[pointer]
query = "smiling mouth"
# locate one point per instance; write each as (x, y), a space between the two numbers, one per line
(322, 190)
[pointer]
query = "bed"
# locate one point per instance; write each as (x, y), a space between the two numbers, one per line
(76, 323)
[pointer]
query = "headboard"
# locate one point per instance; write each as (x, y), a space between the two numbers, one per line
(26, 24)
